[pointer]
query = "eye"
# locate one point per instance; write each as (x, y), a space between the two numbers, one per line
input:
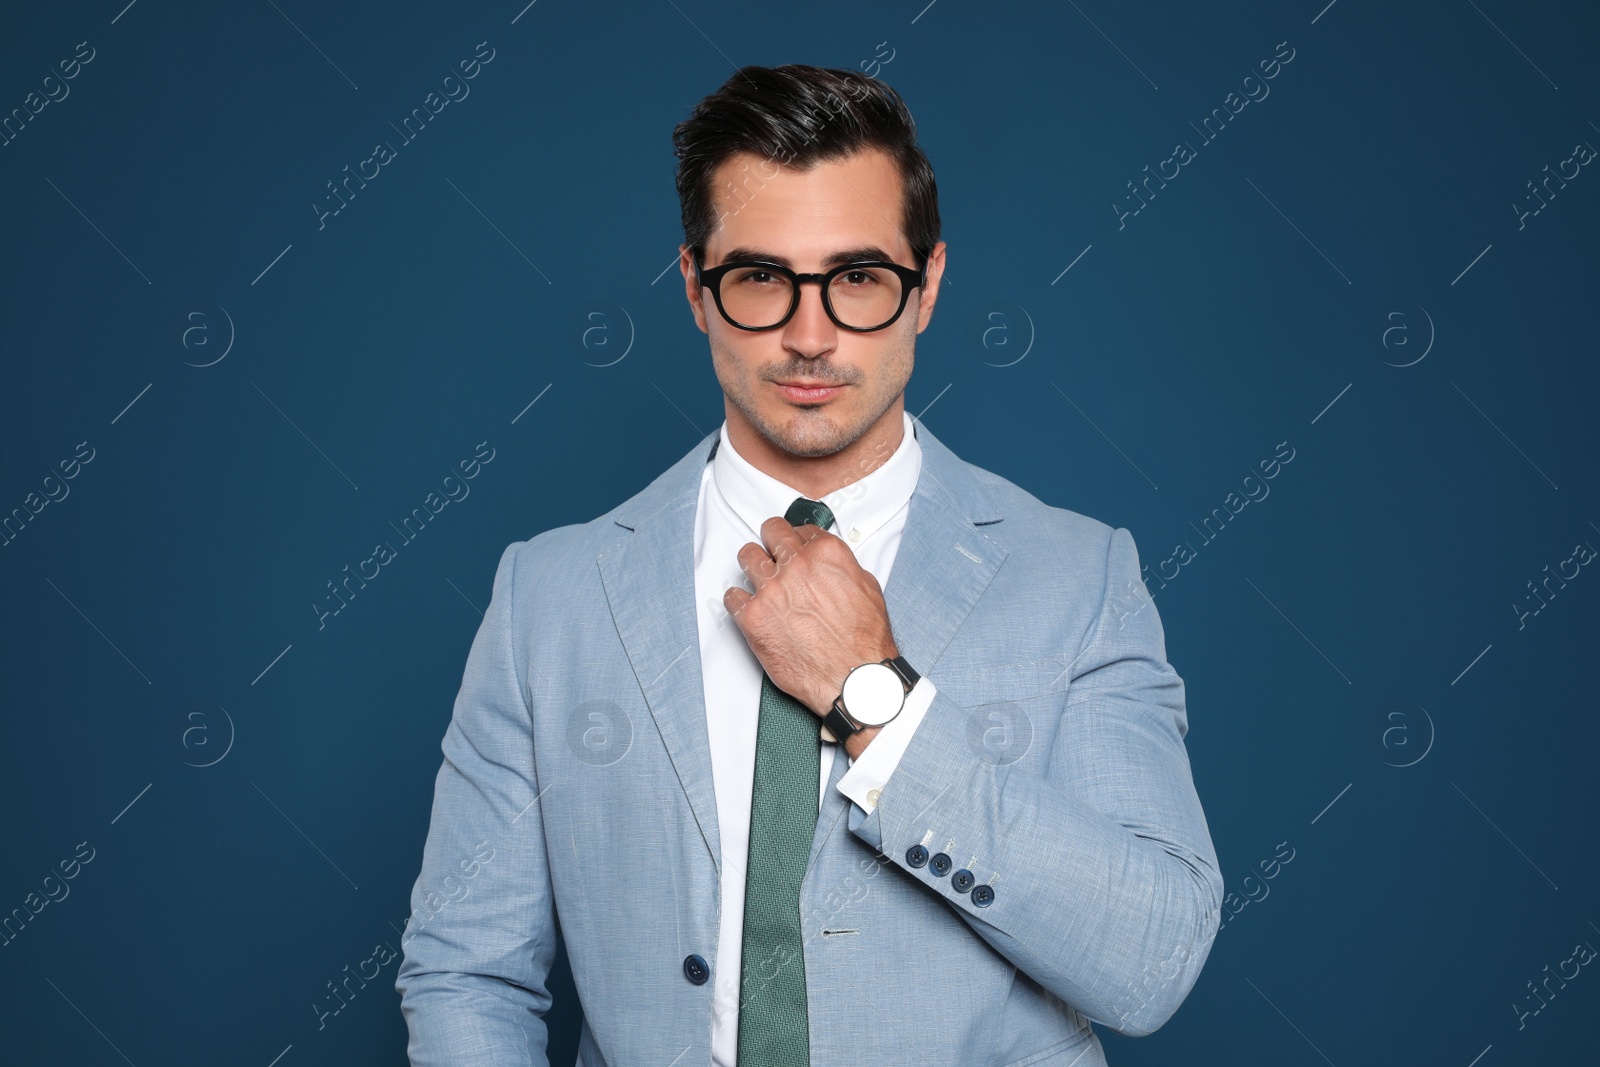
(858, 279)
(758, 278)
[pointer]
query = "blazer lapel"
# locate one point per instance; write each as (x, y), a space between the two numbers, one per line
(649, 583)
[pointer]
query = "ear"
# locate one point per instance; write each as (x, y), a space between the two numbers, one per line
(929, 293)
(691, 288)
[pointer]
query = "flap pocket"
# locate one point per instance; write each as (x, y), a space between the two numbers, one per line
(1001, 682)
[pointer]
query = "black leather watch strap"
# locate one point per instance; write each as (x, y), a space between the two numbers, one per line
(907, 674)
(839, 726)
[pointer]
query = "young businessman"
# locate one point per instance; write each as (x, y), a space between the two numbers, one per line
(785, 808)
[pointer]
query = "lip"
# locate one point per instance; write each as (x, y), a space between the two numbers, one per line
(808, 392)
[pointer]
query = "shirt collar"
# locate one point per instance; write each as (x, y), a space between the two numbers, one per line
(862, 506)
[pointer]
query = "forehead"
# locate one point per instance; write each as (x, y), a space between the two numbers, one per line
(804, 216)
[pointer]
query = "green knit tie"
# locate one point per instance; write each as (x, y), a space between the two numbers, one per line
(773, 1025)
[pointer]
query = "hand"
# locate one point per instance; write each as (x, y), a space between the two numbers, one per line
(816, 613)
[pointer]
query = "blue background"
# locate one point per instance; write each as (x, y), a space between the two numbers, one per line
(1342, 270)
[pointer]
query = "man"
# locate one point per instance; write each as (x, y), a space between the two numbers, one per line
(837, 817)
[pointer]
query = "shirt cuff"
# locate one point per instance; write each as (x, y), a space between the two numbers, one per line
(867, 775)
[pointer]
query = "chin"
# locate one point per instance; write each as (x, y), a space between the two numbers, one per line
(811, 431)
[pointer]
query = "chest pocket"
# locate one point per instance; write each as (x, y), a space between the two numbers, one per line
(1006, 682)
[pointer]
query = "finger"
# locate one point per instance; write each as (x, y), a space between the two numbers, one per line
(809, 532)
(776, 533)
(734, 599)
(757, 564)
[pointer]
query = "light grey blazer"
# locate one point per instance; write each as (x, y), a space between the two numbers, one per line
(576, 791)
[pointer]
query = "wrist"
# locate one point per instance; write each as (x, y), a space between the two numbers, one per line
(857, 743)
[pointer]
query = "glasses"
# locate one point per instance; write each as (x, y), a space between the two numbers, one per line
(753, 294)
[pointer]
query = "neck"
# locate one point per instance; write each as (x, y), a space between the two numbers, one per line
(817, 476)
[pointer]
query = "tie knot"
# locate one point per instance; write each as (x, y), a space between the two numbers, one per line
(804, 511)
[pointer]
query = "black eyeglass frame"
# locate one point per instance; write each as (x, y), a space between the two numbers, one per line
(712, 278)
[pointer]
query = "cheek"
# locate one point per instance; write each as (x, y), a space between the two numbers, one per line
(893, 366)
(732, 367)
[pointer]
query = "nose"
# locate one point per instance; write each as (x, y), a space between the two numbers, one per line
(810, 331)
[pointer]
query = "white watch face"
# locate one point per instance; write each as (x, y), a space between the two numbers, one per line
(873, 694)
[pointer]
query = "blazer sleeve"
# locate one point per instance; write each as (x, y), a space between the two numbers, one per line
(1104, 881)
(481, 938)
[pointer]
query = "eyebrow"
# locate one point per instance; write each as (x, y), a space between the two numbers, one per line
(833, 259)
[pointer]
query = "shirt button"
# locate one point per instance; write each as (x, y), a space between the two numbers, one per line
(873, 795)
(855, 535)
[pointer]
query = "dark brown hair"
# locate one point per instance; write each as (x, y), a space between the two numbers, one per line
(797, 116)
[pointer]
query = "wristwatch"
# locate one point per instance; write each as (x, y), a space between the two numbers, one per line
(873, 695)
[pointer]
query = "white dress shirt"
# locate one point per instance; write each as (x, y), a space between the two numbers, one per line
(735, 499)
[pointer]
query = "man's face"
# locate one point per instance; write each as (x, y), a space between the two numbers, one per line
(798, 219)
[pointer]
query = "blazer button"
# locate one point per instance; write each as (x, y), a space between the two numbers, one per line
(939, 864)
(982, 896)
(962, 880)
(916, 856)
(696, 969)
